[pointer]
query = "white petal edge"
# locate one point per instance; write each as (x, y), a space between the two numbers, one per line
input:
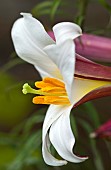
(29, 38)
(66, 30)
(62, 138)
(48, 158)
(63, 55)
(52, 114)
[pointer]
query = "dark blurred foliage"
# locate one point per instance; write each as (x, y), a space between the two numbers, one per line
(20, 120)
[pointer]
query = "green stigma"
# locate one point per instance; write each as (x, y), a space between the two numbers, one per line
(28, 89)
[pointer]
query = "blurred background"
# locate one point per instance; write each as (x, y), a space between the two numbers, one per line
(20, 120)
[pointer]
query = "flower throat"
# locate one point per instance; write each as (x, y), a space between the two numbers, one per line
(51, 91)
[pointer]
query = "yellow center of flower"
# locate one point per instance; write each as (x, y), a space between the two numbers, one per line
(51, 91)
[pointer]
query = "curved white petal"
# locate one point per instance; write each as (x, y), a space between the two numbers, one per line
(48, 158)
(29, 38)
(66, 30)
(32, 28)
(57, 119)
(63, 55)
(52, 114)
(62, 138)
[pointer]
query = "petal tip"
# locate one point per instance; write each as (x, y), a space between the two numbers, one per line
(93, 135)
(67, 29)
(82, 158)
(24, 14)
(65, 162)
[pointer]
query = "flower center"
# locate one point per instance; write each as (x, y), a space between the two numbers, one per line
(51, 91)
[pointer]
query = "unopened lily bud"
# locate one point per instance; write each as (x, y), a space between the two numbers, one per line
(104, 131)
(94, 47)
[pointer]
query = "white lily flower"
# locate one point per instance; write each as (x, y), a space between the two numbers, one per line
(55, 62)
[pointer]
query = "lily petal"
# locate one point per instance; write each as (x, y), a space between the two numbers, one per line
(87, 87)
(48, 158)
(66, 30)
(90, 70)
(29, 38)
(62, 55)
(99, 92)
(36, 30)
(53, 113)
(62, 138)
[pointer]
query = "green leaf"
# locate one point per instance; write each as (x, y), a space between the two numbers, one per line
(96, 155)
(26, 125)
(44, 12)
(42, 8)
(54, 8)
(105, 5)
(47, 8)
(8, 139)
(92, 112)
(26, 150)
(34, 120)
(81, 13)
(74, 125)
(12, 63)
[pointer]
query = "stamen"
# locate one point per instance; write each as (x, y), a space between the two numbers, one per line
(54, 82)
(57, 90)
(52, 91)
(27, 89)
(51, 100)
(41, 84)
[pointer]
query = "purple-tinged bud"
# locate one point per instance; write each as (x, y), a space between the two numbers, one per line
(104, 131)
(97, 48)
